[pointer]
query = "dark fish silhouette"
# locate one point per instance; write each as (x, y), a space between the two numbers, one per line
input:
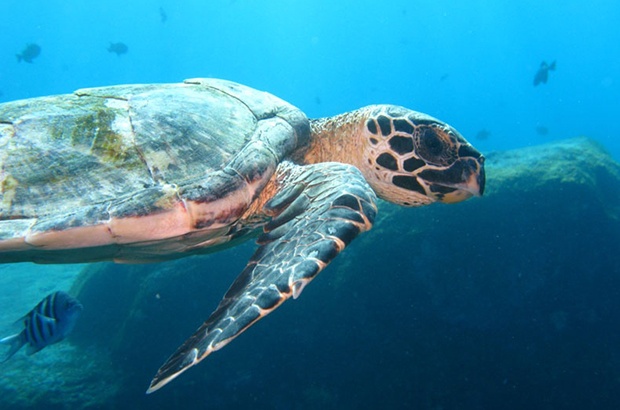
(163, 15)
(542, 130)
(30, 52)
(118, 48)
(543, 73)
(49, 322)
(483, 134)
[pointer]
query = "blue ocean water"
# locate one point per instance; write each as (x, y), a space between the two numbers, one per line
(468, 63)
(471, 64)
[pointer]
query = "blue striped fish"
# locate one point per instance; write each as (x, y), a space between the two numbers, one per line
(51, 320)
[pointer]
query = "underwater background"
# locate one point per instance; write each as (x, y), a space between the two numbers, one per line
(507, 301)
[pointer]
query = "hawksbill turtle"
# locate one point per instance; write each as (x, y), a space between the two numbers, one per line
(144, 173)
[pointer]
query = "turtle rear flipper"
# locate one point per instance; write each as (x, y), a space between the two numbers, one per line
(318, 210)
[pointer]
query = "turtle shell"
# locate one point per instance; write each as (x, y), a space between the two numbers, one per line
(159, 169)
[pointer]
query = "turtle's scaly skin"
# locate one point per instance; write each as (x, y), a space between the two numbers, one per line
(407, 157)
(301, 239)
(151, 172)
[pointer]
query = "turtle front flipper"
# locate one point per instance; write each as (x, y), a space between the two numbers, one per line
(316, 212)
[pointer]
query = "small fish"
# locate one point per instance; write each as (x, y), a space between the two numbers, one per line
(542, 130)
(163, 16)
(118, 48)
(483, 134)
(30, 52)
(543, 73)
(49, 322)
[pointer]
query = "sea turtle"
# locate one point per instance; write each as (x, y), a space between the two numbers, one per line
(143, 173)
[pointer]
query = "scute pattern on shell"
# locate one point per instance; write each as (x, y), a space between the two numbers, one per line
(100, 155)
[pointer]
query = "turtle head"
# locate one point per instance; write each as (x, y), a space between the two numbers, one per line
(412, 159)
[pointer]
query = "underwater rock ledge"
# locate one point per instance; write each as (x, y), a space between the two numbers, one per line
(577, 162)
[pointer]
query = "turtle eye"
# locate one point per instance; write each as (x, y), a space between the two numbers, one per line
(433, 145)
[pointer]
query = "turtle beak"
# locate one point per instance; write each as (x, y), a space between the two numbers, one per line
(464, 179)
(477, 178)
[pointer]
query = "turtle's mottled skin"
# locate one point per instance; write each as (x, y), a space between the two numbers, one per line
(143, 173)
